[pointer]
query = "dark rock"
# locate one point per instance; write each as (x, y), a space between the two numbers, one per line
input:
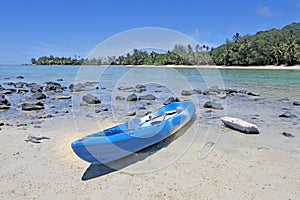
(253, 94)
(285, 99)
(90, 99)
(38, 96)
(171, 100)
(36, 122)
(148, 97)
(140, 86)
(288, 135)
(20, 84)
(37, 126)
(125, 88)
(81, 87)
(36, 138)
(4, 104)
(131, 114)
(60, 79)
(34, 87)
(22, 91)
(157, 91)
(186, 92)
(231, 91)
(213, 105)
(19, 125)
(132, 97)
(62, 97)
(1, 124)
(243, 91)
(119, 98)
(296, 103)
(53, 87)
(208, 92)
(10, 84)
(214, 90)
(8, 91)
(101, 110)
(142, 108)
(28, 106)
(44, 116)
(19, 77)
(288, 114)
(197, 91)
(140, 90)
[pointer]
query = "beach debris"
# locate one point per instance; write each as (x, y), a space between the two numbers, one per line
(296, 103)
(132, 97)
(170, 100)
(4, 104)
(187, 92)
(29, 106)
(288, 114)
(36, 138)
(240, 125)
(148, 97)
(90, 99)
(286, 134)
(213, 105)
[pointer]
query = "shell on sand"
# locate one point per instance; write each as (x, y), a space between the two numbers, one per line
(240, 125)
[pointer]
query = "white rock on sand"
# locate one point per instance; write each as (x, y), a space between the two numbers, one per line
(240, 125)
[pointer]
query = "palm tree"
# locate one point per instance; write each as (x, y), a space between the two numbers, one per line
(277, 51)
(289, 49)
(236, 38)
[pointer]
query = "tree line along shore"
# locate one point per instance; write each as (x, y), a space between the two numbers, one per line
(271, 47)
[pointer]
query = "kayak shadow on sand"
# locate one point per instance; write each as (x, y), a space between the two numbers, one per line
(98, 170)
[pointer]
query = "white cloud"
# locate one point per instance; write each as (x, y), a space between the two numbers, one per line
(265, 11)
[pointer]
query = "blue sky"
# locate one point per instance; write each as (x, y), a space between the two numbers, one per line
(32, 28)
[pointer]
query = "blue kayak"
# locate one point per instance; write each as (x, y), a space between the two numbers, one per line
(136, 134)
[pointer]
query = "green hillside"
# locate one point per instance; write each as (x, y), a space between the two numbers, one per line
(272, 47)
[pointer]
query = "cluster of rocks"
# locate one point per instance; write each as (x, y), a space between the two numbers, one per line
(137, 89)
(222, 93)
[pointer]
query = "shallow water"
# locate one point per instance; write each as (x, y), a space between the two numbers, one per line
(273, 86)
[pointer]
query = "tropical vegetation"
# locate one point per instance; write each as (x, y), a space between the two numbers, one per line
(272, 47)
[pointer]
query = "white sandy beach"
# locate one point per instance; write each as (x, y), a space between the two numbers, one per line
(50, 170)
(268, 67)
